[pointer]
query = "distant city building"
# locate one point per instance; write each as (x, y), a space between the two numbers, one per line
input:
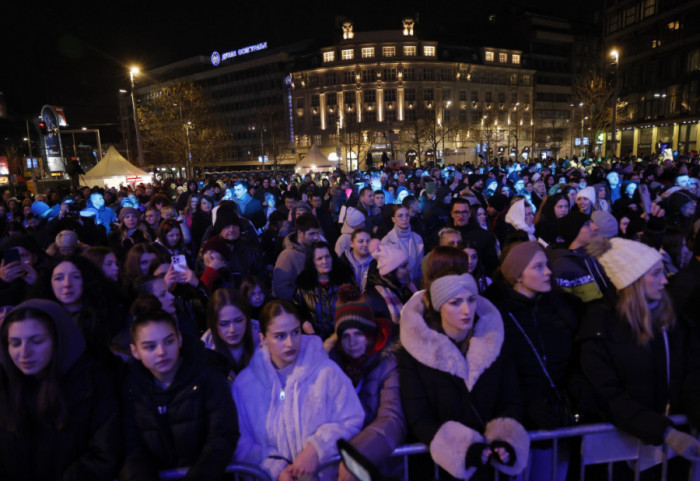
(659, 72)
(384, 95)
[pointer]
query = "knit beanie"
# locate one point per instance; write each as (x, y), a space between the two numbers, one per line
(625, 261)
(388, 258)
(354, 217)
(225, 216)
(128, 211)
(570, 225)
(217, 244)
(517, 259)
(355, 314)
(66, 238)
(606, 223)
(445, 288)
(588, 192)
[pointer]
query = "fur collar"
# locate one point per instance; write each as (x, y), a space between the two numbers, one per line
(437, 351)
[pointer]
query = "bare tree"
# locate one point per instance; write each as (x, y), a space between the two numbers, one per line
(274, 137)
(178, 125)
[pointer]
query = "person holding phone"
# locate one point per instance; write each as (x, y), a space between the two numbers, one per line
(17, 272)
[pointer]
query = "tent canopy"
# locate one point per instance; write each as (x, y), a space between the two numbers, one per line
(315, 160)
(114, 169)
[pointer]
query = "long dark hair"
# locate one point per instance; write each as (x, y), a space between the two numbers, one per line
(220, 299)
(50, 407)
(165, 229)
(339, 272)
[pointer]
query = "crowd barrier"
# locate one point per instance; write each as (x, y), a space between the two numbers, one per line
(600, 444)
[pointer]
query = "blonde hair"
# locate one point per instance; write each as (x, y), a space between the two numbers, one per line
(633, 307)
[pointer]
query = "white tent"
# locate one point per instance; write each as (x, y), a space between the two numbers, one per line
(114, 170)
(315, 161)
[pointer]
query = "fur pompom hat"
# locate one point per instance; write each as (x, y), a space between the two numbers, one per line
(625, 261)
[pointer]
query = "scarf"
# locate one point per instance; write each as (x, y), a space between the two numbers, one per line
(393, 303)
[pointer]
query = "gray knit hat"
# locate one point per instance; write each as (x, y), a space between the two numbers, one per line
(606, 223)
(445, 288)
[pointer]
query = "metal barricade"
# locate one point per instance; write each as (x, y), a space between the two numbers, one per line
(600, 444)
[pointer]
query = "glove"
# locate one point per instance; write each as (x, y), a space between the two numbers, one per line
(683, 444)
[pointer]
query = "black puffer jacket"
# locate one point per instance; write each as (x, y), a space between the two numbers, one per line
(550, 323)
(192, 423)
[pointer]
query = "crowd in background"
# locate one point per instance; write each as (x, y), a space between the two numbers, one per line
(260, 317)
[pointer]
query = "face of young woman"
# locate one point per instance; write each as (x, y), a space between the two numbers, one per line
(256, 296)
(403, 274)
(323, 261)
(536, 276)
(402, 218)
(110, 268)
(130, 221)
(193, 203)
(529, 215)
(205, 205)
(481, 216)
(654, 282)
(30, 346)
(457, 314)
(583, 203)
(473, 257)
(160, 290)
(283, 339)
(231, 325)
(354, 343)
(67, 283)
(173, 237)
(145, 262)
(561, 208)
(157, 346)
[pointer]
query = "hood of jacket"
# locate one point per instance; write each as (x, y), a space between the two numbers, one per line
(354, 262)
(290, 242)
(70, 343)
(437, 351)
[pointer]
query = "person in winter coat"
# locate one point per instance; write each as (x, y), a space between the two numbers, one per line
(294, 403)
(59, 417)
(520, 217)
(354, 219)
(317, 289)
(178, 410)
(459, 388)
(540, 326)
(359, 346)
(290, 262)
(401, 237)
(357, 256)
(389, 284)
(639, 356)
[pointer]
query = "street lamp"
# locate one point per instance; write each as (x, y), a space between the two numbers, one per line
(616, 62)
(132, 72)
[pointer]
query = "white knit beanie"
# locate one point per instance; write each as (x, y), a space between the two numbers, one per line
(625, 261)
(388, 258)
(354, 217)
(588, 192)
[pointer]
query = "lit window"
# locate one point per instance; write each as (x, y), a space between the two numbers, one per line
(348, 54)
(516, 59)
(328, 56)
(429, 51)
(503, 57)
(489, 56)
(368, 52)
(389, 51)
(409, 50)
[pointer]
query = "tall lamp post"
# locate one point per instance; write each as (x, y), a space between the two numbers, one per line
(616, 62)
(139, 150)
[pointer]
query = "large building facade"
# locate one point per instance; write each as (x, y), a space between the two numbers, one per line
(658, 47)
(389, 95)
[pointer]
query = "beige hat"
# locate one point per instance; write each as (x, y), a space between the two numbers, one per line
(66, 238)
(625, 261)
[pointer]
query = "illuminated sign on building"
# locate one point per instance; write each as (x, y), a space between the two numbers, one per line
(217, 58)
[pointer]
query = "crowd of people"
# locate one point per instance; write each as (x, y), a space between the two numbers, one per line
(260, 318)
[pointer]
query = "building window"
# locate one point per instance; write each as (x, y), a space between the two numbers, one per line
(328, 56)
(349, 77)
(428, 95)
(316, 121)
(389, 74)
(462, 95)
(318, 139)
(427, 74)
(411, 115)
(332, 99)
(330, 78)
(445, 74)
(300, 102)
(409, 50)
(315, 102)
(429, 50)
(370, 96)
(349, 97)
(409, 95)
(475, 95)
(631, 15)
(514, 79)
(446, 94)
(503, 57)
(649, 8)
(332, 120)
(489, 57)
(462, 115)
(389, 51)
(348, 54)
(390, 115)
(516, 59)
(369, 75)
(390, 95)
(409, 74)
(368, 52)
(502, 97)
(371, 117)
(614, 22)
(514, 98)
(489, 96)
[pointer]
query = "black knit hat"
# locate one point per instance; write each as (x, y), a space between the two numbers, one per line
(355, 314)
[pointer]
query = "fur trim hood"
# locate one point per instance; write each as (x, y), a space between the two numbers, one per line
(437, 351)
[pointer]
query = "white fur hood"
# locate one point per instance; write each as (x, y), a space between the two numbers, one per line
(436, 350)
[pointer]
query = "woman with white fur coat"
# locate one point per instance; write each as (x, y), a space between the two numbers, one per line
(459, 389)
(293, 402)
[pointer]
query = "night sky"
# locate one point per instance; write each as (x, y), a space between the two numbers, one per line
(77, 54)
